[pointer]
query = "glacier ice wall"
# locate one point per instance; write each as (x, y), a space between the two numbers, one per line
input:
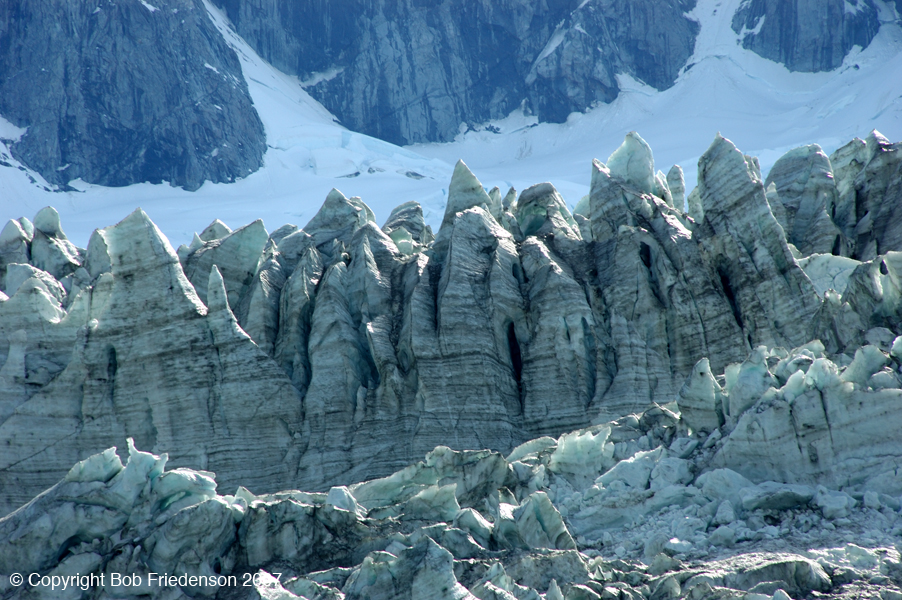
(341, 351)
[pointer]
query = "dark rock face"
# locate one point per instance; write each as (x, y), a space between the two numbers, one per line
(119, 93)
(408, 72)
(606, 37)
(806, 35)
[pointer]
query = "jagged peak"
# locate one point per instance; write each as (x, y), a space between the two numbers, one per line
(367, 212)
(214, 231)
(136, 216)
(409, 206)
(634, 163)
(27, 227)
(196, 243)
(599, 168)
(142, 258)
(217, 300)
(874, 142)
(409, 213)
(495, 202)
(582, 207)
(540, 203)
(407, 228)
(36, 298)
(256, 227)
(47, 221)
(335, 195)
(552, 313)
(477, 221)
(283, 232)
(725, 174)
(721, 150)
(339, 212)
(140, 221)
(370, 233)
(676, 182)
(97, 255)
(12, 232)
(510, 199)
(878, 137)
(465, 191)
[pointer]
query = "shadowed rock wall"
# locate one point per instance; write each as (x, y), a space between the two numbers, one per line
(408, 72)
(806, 35)
(126, 92)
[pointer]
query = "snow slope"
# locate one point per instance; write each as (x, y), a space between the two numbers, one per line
(757, 103)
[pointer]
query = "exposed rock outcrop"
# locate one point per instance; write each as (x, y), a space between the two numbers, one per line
(806, 35)
(408, 72)
(603, 38)
(128, 92)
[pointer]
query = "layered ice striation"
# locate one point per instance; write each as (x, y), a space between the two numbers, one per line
(653, 505)
(341, 351)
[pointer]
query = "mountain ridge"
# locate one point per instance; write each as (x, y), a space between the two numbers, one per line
(565, 58)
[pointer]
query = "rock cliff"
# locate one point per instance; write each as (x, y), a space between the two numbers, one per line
(135, 91)
(341, 351)
(806, 35)
(126, 92)
(411, 72)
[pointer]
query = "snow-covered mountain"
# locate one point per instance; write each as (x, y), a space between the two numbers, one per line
(307, 154)
(687, 386)
(760, 104)
(413, 72)
(736, 402)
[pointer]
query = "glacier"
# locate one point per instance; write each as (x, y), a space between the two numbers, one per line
(626, 401)
(622, 382)
(667, 517)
